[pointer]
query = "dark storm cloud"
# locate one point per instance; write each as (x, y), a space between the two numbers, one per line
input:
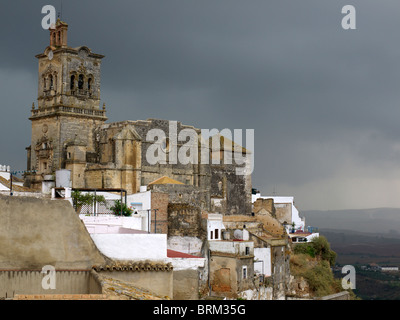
(324, 102)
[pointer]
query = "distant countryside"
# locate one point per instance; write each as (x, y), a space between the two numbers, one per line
(368, 240)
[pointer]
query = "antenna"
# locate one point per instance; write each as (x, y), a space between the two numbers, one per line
(274, 192)
(60, 12)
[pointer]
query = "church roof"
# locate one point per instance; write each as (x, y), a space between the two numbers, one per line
(165, 180)
(224, 140)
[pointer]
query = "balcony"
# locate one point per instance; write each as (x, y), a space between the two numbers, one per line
(40, 112)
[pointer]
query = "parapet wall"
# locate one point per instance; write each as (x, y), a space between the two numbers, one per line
(38, 232)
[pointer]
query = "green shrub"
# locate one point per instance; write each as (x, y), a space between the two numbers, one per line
(121, 209)
(320, 279)
(305, 248)
(322, 249)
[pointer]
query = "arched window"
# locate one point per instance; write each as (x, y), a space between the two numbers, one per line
(59, 36)
(80, 81)
(51, 81)
(89, 84)
(72, 83)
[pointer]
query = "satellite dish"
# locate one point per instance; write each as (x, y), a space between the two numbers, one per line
(238, 234)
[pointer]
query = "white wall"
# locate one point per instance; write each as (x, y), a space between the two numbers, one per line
(187, 263)
(233, 247)
(132, 246)
(264, 255)
(143, 198)
(190, 245)
(312, 236)
(141, 203)
(214, 224)
(110, 223)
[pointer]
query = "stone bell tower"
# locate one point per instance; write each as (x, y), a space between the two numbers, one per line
(68, 110)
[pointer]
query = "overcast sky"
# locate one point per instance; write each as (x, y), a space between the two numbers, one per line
(324, 102)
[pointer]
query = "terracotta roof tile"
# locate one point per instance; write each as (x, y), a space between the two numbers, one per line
(177, 254)
(165, 180)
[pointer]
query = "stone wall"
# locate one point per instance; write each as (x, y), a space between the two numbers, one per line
(184, 220)
(186, 284)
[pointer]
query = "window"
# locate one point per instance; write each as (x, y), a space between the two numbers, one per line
(89, 84)
(211, 235)
(216, 233)
(247, 251)
(165, 145)
(244, 272)
(80, 81)
(51, 81)
(72, 83)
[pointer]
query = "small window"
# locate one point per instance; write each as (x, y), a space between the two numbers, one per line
(72, 83)
(211, 235)
(80, 81)
(244, 271)
(247, 251)
(165, 145)
(89, 84)
(216, 233)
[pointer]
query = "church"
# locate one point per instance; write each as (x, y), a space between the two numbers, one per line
(70, 131)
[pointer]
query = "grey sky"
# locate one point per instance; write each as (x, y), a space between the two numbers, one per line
(324, 102)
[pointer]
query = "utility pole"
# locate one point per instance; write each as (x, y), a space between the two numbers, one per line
(14, 173)
(155, 220)
(148, 220)
(11, 175)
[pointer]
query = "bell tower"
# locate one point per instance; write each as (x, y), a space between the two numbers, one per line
(67, 112)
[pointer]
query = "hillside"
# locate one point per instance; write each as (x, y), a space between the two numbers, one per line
(363, 248)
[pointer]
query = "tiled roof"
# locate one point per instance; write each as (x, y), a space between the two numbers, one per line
(165, 180)
(135, 266)
(224, 140)
(177, 254)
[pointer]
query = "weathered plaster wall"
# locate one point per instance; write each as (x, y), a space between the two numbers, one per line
(37, 232)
